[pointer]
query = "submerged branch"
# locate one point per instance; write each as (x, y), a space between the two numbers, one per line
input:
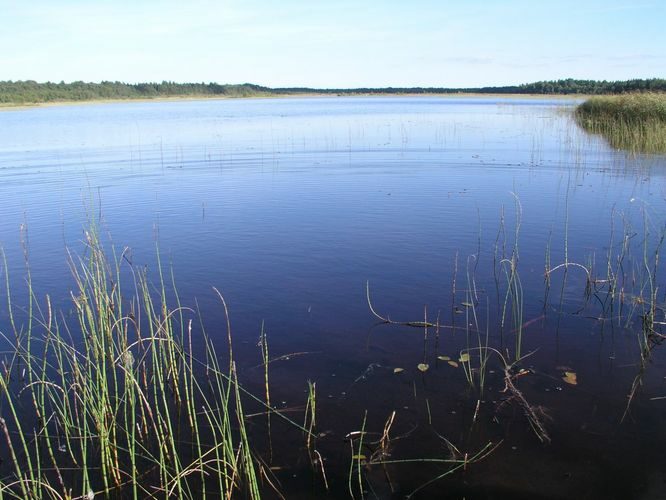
(389, 321)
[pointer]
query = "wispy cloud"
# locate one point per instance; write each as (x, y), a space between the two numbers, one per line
(637, 57)
(330, 43)
(629, 6)
(468, 59)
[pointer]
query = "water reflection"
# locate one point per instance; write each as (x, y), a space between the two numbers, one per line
(289, 206)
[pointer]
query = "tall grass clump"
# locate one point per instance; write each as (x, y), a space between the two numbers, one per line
(634, 122)
(110, 400)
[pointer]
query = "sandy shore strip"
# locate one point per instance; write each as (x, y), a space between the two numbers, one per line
(462, 95)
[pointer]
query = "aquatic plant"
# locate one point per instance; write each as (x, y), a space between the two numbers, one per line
(116, 403)
(634, 122)
(117, 399)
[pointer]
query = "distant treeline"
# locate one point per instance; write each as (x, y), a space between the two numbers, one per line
(590, 87)
(21, 92)
(564, 87)
(32, 92)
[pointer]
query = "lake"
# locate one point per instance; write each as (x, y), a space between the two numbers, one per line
(516, 256)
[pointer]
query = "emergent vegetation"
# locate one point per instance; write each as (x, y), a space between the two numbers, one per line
(109, 404)
(114, 398)
(635, 122)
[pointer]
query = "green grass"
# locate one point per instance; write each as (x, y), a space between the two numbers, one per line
(634, 122)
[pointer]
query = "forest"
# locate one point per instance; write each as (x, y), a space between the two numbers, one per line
(32, 92)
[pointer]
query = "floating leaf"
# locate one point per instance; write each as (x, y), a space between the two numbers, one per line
(423, 367)
(398, 370)
(464, 357)
(443, 358)
(453, 364)
(570, 378)
(467, 304)
(358, 457)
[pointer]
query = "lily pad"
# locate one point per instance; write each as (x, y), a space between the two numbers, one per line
(570, 378)
(464, 357)
(467, 304)
(453, 364)
(398, 370)
(423, 367)
(443, 358)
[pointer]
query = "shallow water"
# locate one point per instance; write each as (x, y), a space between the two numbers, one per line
(290, 206)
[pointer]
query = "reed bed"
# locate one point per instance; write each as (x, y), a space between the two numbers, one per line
(125, 396)
(114, 403)
(115, 399)
(634, 122)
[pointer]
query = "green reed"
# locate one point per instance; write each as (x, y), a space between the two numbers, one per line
(310, 419)
(634, 122)
(112, 401)
(513, 298)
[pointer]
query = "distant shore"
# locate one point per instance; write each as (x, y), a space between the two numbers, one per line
(314, 95)
(29, 93)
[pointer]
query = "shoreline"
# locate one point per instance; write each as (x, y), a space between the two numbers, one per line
(50, 104)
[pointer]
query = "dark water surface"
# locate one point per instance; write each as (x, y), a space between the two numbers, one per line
(289, 206)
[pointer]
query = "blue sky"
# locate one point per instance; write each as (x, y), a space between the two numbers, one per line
(332, 44)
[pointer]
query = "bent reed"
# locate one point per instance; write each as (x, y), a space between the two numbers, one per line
(125, 396)
(110, 400)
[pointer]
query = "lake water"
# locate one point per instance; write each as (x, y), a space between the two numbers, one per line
(291, 206)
